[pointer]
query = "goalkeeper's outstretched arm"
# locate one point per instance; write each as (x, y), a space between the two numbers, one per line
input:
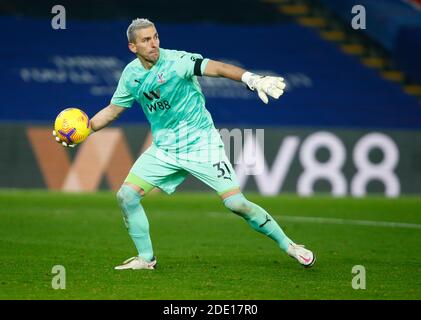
(264, 85)
(104, 117)
(100, 120)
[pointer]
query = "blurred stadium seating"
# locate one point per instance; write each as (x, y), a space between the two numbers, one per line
(81, 65)
(394, 24)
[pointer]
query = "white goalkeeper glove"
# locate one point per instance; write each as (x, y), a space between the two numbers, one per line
(265, 85)
(64, 143)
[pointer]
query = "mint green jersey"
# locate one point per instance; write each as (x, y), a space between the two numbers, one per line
(171, 98)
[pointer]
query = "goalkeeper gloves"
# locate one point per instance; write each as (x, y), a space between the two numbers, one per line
(264, 85)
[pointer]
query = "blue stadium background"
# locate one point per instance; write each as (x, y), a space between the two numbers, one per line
(329, 86)
(44, 69)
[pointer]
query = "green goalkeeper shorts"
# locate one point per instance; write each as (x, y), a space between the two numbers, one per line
(167, 170)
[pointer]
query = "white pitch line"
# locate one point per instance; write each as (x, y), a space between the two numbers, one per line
(388, 224)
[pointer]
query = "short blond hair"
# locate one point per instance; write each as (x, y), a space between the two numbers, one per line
(136, 25)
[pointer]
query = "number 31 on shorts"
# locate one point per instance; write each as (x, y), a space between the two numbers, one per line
(223, 170)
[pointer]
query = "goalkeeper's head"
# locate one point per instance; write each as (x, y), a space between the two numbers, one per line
(143, 40)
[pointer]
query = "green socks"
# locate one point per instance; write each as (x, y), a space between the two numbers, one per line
(136, 221)
(138, 225)
(258, 219)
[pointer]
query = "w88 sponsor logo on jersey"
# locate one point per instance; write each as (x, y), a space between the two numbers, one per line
(158, 105)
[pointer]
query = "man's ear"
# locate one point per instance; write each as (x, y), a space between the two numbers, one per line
(132, 47)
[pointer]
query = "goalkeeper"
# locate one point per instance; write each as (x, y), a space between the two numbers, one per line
(185, 141)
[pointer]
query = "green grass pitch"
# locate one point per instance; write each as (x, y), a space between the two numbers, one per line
(206, 252)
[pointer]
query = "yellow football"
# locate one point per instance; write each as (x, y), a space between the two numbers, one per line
(72, 125)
